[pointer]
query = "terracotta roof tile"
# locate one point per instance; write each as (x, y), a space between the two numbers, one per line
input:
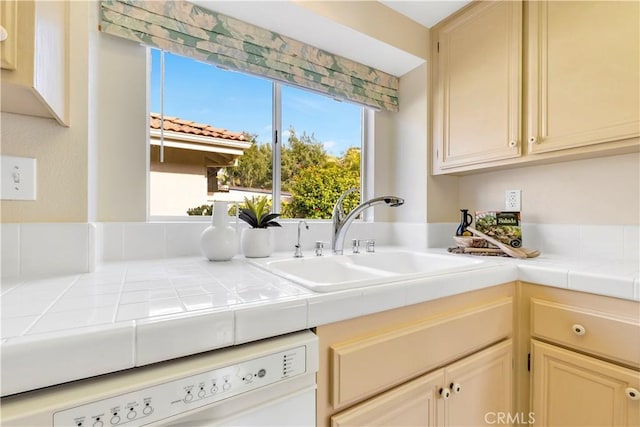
(177, 124)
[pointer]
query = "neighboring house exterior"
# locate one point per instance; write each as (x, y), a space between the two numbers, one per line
(193, 155)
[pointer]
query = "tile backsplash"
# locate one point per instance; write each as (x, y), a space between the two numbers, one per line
(33, 249)
(126, 241)
(602, 242)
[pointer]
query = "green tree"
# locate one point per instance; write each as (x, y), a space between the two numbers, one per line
(351, 160)
(315, 191)
(314, 178)
(254, 168)
(300, 153)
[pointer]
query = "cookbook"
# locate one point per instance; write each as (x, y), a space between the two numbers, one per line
(501, 225)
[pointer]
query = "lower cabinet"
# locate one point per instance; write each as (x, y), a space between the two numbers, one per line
(471, 392)
(571, 389)
(514, 354)
(584, 358)
(442, 362)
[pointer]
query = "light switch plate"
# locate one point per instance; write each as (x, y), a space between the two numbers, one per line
(18, 178)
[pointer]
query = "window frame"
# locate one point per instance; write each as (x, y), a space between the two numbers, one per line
(367, 132)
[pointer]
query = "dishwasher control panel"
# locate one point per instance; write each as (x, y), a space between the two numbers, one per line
(152, 404)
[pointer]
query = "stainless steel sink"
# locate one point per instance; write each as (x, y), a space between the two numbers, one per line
(339, 272)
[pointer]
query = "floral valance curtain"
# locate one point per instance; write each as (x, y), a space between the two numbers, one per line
(185, 29)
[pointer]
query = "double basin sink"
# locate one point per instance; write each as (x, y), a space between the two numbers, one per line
(339, 272)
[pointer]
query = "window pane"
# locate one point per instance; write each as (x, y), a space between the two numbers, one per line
(320, 153)
(214, 119)
(218, 142)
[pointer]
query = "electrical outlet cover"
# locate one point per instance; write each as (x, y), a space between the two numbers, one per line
(512, 200)
(18, 178)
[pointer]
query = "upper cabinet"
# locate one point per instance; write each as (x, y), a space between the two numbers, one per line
(35, 75)
(572, 90)
(583, 75)
(477, 96)
(8, 45)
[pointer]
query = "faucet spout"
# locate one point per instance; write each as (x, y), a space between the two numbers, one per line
(341, 223)
(338, 210)
(298, 251)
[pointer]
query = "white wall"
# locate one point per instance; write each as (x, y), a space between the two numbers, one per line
(401, 151)
(61, 152)
(375, 20)
(603, 191)
(403, 159)
(410, 146)
(172, 194)
(123, 124)
(96, 168)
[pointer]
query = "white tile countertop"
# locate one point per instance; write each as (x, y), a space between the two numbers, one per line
(127, 314)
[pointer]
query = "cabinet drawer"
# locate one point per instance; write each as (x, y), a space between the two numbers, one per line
(599, 333)
(364, 367)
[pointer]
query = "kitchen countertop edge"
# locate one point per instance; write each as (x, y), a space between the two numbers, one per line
(131, 343)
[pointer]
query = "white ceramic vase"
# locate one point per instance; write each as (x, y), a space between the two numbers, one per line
(257, 242)
(219, 241)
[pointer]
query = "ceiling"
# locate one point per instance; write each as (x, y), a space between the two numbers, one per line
(425, 12)
(301, 24)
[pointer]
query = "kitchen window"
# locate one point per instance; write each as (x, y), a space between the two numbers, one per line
(229, 135)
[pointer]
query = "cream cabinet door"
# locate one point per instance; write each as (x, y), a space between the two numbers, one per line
(477, 390)
(583, 73)
(570, 389)
(481, 388)
(416, 403)
(34, 77)
(9, 46)
(477, 93)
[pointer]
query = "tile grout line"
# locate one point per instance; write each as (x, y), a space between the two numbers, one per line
(177, 294)
(46, 310)
(114, 319)
(20, 263)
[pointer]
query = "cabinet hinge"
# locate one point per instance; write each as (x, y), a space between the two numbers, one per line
(529, 362)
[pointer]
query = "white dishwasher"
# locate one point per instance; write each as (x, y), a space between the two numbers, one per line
(265, 383)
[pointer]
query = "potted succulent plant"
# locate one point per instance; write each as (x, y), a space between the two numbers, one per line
(257, 241)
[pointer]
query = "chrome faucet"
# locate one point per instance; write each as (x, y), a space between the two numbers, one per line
(341, 222)
(298, 251)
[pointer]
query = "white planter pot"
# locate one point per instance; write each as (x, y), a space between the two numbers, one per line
(257, 242)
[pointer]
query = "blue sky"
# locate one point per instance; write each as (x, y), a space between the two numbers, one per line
(238, 102)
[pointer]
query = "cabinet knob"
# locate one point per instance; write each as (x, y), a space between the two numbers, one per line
(513, 144)
(445, 393)
(533, 140)
(455, 387)
(579, 329)
(632, 393)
